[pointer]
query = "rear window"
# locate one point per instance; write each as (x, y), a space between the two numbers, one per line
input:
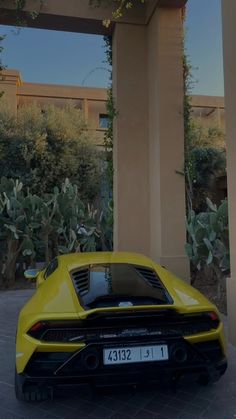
(118, 284)
(52, 266)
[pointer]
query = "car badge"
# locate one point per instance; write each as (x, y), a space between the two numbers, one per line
(134, 332)
(125, 304)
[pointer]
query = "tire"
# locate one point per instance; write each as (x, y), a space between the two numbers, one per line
(207, 379)
(204, 380)
(31, 393)
(214, 374)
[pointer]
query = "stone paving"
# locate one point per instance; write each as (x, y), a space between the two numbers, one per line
(190, 401)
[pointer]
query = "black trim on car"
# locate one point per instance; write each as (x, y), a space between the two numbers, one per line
(125, 325)
(76, 366)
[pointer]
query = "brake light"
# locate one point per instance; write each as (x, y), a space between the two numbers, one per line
(213, 316)
(52, 331)
(37, 330)
(37, 327)
(215, 321)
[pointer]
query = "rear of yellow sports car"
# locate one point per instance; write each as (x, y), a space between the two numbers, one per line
(108, 318)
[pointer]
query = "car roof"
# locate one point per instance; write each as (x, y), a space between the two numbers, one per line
(74, 260)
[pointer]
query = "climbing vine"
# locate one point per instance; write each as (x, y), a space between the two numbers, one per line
(187, 74)
(121, 6)
(111, 113)
(188, 85)
(1, 49)
(19, 8)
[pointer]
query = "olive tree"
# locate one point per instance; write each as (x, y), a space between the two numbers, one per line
(42, 147)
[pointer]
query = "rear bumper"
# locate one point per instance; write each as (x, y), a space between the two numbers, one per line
(118, 378)
(63, 369)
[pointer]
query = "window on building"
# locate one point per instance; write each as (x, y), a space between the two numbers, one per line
(103, 121)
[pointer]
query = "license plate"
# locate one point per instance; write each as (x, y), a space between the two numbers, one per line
(133, 354)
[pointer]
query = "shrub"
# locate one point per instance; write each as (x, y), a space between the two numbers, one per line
(208, 240)
(43, 147)
(38, 227)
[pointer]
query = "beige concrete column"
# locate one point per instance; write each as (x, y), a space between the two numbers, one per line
(149, 140)
(166, 140)
(10, 80)
(229, 39)
(131, 178)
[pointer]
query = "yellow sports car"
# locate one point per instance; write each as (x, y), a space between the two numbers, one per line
(110, 318)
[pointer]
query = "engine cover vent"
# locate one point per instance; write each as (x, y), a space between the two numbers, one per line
(150, 276)
(118, 285)
(81, 281)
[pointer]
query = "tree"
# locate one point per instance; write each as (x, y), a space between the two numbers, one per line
(42, 147)
(205, 160)
(205, 156)
(205, 164)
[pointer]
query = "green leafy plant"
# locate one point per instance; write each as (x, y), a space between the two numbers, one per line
(35, 228)
(111, 113)
(204, 166)
(120, 7)
(14, 230)
(204, 148)
(208, 240)
(42, 148)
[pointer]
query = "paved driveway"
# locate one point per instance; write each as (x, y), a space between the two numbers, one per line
(189, 402)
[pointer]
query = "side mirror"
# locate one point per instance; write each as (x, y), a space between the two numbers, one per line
(31, 273)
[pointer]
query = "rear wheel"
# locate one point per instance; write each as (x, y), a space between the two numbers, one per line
(204, 380)
(31, 393)
(208, 379)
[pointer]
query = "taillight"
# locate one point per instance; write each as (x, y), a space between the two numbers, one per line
(36, 327)
(37, 330)
(75, 331)
(57, 331)
(214, 319)
(213, 316)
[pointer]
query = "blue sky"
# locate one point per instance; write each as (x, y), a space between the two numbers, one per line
(45, 56)
(67, 58)
(204, 45)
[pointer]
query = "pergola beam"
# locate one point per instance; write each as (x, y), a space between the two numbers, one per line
(74, 16)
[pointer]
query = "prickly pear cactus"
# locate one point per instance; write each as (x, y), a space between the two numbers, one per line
(208, 238)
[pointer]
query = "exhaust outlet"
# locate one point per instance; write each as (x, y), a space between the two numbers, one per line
(91, 361)
(179, 354)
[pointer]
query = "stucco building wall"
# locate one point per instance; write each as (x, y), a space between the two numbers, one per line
(92, 101)
(208, 111)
